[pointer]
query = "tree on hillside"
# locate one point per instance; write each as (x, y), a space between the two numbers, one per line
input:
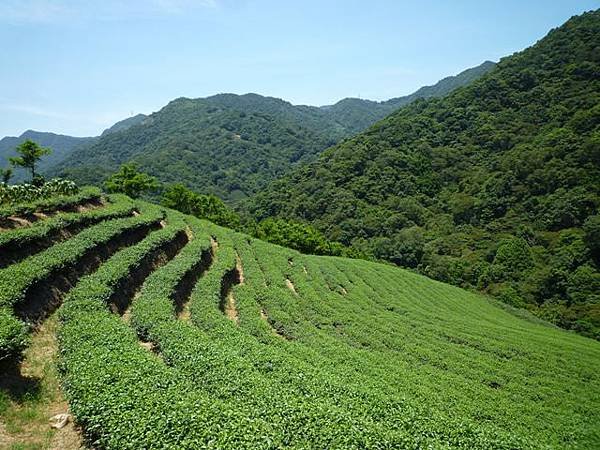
(130, 181)
(31, 152)
(209, 207)
(591, 227)
(178, 197)
(6, 175)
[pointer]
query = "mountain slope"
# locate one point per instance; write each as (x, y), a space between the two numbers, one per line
(357, 114)
(495, 186)
(61, 146)
(125, 124)
(209, 144)
(207, 338)
(231, 145)
(444, 86)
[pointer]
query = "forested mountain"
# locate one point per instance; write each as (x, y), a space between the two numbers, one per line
(233, 145)
(210, 144)
(444, 86)
(61, 146)
(125, 124)
(357, 114)
(494, 187)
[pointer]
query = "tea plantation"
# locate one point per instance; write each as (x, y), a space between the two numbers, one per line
(175, 333)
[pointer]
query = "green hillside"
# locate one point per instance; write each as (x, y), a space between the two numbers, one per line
(233, 145)
(176, 333)
(357, 114)
(494, 187)
(125, 124)
(443, 87)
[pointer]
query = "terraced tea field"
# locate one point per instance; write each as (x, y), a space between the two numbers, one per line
(176, 333)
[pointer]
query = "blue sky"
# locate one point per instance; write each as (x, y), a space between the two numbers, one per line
(77, 66)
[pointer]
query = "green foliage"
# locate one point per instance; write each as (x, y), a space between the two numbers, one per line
(437, 185)
(128, 180)
(17, 279)
(591, 227)
(28, 193)
(13, 336)
(513, 259)
(50, 204)
(6, 175)
(208, 207)
(299, 236)
(61, 146)
(30, 153)
(357, 355)
(296, 235)
(231, 145)
(25, 241)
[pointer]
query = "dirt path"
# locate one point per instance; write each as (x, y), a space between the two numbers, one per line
(291, 286)
(240, 269)
(231, 309)
(234, 277)
(32, 395)
(185, 314)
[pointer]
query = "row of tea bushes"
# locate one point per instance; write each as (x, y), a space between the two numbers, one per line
(16, 280)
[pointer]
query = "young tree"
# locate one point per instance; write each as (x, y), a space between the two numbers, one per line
(128, 180)
(31, 152)
(6, 175)
(178, 197)
(209, 207)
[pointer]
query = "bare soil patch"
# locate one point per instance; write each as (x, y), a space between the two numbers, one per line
(291, 286)
(231, 278)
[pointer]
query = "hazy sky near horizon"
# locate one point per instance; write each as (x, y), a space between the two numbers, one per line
(76, 67)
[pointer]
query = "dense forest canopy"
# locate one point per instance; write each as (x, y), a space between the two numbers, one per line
(233, 145)
(494, 187)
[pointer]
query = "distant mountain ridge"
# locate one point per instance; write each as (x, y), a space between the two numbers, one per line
(125, 124)
(445, 85)
(233, 145)
(358, 114)
(62, 145)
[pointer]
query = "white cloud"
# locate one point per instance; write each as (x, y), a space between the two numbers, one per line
(61, 11)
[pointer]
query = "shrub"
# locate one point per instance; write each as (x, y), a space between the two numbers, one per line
(24, 193)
